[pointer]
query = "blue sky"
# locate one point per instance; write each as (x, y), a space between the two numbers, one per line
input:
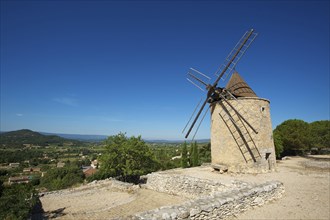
(101, 67)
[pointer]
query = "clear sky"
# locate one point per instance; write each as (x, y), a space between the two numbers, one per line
(101, 67)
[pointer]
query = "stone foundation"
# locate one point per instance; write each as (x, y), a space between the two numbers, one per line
(217, 201)
(189, 187)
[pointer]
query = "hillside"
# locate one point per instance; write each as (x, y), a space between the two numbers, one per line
(79, 137)
(25, 136)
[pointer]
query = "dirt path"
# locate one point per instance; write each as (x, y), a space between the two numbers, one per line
(307, 194)
(103, 202)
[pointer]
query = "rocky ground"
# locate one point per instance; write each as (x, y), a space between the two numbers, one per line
(306, 182)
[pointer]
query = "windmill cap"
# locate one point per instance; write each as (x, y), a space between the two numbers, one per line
(238, 87)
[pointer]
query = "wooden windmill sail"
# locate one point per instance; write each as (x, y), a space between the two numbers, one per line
(215, 93)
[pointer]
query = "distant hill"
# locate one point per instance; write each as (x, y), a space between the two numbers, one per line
(80, 137)
(99, 138)
(25, 136)
(175, 141)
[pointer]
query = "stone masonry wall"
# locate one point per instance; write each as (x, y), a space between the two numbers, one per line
(219, 205)
(189, 187)
(225, 148)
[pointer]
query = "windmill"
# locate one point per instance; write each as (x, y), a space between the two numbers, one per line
(241, 131)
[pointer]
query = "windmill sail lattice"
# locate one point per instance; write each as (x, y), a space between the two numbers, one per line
(194, 76)
(236, 54)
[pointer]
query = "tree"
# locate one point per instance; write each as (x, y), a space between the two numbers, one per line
(1, 187)
(17, 201)
(295, 136)
(278, 144)
(128, 158)
(61, 178)
(184, 156)
(320, 134)
(205, 153)
(194, 157)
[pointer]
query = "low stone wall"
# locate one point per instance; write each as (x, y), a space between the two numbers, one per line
(219, 205)
(189, 187)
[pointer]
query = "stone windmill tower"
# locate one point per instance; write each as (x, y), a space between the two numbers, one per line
(241, 131)
(236, 145)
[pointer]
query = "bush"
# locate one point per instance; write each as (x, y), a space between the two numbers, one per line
(61, 178)
(17, 201)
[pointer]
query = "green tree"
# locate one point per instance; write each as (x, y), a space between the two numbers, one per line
(295, 135)
(205, 153)
(35, 180)
(61, 178)
(320, 134)
(1, 187)
(194, 155)
(278, 144)
(128, 158)
(17, 201)
(184, 156)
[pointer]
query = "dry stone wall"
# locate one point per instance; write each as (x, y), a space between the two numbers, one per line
(219, 205)
(189, 187)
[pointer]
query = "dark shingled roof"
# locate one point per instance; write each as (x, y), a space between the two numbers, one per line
(238, 87)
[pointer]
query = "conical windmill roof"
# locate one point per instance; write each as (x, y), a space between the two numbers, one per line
(238, 87)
